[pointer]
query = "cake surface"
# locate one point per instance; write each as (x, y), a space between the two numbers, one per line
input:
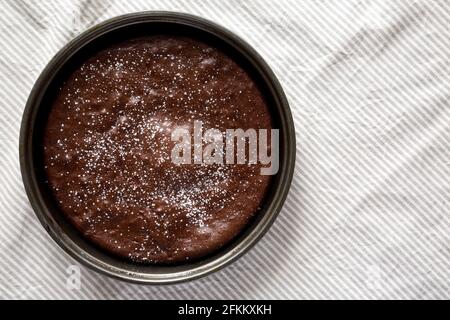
(107, 149)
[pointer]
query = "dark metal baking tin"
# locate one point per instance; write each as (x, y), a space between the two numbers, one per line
(36, 112)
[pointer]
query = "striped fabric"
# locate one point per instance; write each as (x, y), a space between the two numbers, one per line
(368, 213)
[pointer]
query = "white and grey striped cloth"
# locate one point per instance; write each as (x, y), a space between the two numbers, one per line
(368, 214)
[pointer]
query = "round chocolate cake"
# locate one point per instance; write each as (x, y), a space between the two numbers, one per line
(107, 149)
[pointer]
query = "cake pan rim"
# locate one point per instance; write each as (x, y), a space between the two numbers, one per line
(30, 180)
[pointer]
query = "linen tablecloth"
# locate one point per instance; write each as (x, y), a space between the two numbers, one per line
(367, 215)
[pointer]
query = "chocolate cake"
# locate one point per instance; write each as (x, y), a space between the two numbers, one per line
(107, 149)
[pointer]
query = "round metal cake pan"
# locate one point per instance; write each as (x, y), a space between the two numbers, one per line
(36, 112)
